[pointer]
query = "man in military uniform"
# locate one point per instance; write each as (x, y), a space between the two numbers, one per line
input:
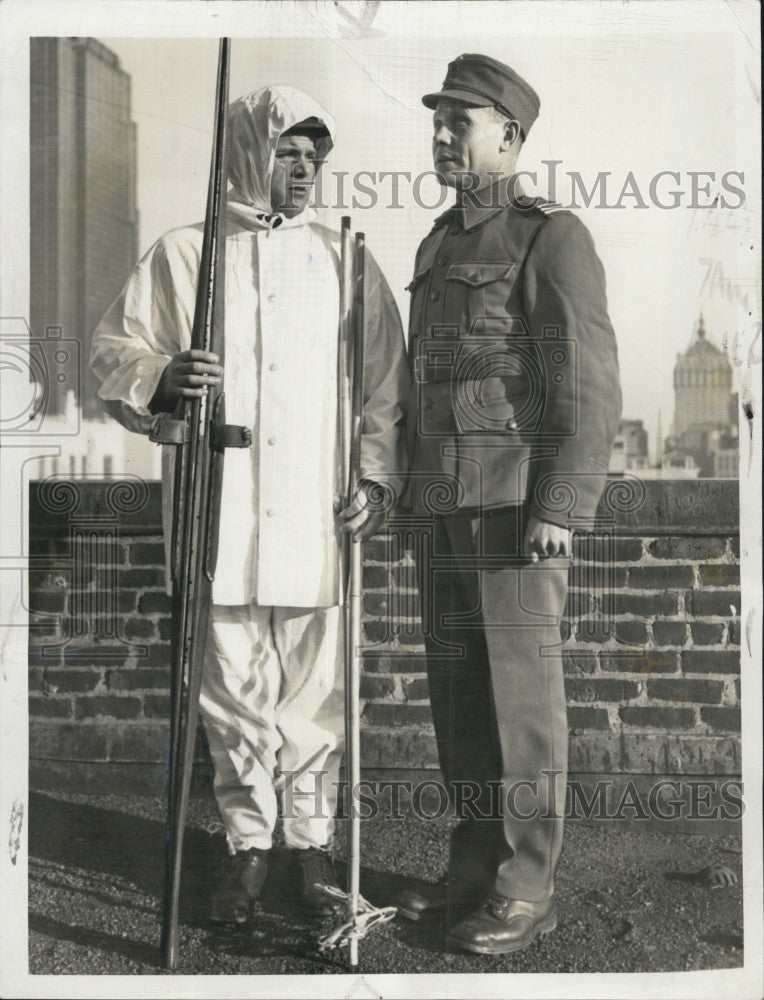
(515, 405)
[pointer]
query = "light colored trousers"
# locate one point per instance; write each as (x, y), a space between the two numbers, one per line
(272, 699)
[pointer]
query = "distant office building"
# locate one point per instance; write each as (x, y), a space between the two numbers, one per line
(704, 438)
(630, 453)
(83, 214)
(100, 449)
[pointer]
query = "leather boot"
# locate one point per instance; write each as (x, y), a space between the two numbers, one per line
(415, 902)
(240, 879)
(314, 869)
(501, 925)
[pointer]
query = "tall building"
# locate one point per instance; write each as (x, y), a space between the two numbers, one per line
(704, 430)
(702, 385)
(83, 213)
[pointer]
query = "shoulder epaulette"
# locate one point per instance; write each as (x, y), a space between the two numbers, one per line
(549, 207)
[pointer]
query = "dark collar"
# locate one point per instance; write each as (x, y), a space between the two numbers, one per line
(477, 207)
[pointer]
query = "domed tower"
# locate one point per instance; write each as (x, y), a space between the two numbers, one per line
(702, 385)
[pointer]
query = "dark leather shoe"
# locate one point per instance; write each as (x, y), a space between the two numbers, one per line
(239, 882)
(314, 869)
(501, 925)
(413, 903)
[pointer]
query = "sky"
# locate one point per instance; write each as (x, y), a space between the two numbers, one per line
(630, 95)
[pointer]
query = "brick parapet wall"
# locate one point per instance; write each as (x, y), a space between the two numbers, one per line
(651, 637)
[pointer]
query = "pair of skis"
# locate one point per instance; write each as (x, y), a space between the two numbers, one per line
(198, 429)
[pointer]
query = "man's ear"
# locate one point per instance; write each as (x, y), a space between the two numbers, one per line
(511, 133)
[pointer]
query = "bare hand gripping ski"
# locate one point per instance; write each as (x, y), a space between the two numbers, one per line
(198, 430)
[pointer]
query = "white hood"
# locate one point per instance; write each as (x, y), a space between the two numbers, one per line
(255, 123)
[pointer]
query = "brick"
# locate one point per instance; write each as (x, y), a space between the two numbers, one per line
(687, 548)
(669, 633)
(708, 661)
(659, 577)
(654, 717)
(706, 633)
(147, 554)
(137, 678)
(723, 719)
(631, 632)
(664, 603)
(592, 577)
(155, 602)
(686, 689)
(139, 628)
(410, 637)
(397, 715)
(45, 579)
(146, 741)
(649, 661)
(375, 577)
(123, 599)
(712, 602)
(733, 632)
(595, 630)
(404, 577)
(587, 718)
(417, 689)
(377, 549)
(376, 605)
(644, 752)
(72, 681)
(600, 689)
(157, 654)
(127, 600)
(50, 708)
(398, 748)
(720, 575)
(164, 627)
(156, 706)
(577, 605)
(49, 601)
(735, 546)
(43, 627)
(377, 631)
(113, 706)
(141, 576)
(377, 687)
(45, 655)
(576, 663)
(391, 663)
(598, 549)
(67, 741)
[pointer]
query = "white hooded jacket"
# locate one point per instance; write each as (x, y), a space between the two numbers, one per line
(278, 532)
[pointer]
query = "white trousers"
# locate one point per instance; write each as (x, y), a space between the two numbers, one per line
(272, 699)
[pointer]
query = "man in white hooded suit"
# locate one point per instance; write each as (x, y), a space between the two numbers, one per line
(272, 698)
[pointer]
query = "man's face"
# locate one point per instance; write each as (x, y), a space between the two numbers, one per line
(294, 173)
(466, 144)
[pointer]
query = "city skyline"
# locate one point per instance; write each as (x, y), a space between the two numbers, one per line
(151, 183)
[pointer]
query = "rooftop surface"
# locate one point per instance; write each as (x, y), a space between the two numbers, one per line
(628, 901)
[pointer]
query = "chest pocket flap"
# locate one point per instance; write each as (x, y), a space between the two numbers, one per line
(426, 258)
(475, 275)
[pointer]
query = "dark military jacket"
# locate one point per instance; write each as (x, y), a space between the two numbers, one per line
(515, 395)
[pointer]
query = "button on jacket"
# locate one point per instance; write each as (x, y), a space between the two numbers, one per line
(278, 529)
(515, 395)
